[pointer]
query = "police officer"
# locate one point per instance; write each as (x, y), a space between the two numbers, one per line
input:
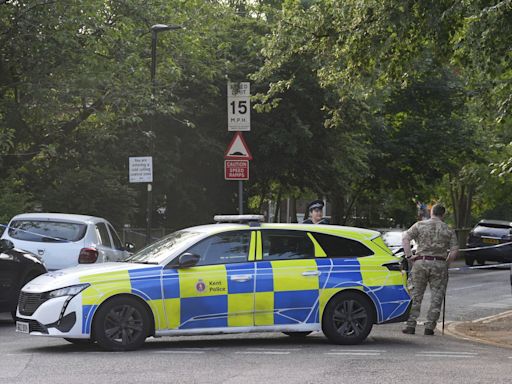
(430, 265)
(315, 209)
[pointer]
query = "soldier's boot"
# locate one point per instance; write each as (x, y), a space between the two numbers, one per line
(429, 332)
(409, 330)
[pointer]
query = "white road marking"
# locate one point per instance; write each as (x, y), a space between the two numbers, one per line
(497, 305)
(273, 349)
(449, 353)
(444, 355)
(358, 350)
(180, 352)
(467, 287)
(352, 353)
(263, 353)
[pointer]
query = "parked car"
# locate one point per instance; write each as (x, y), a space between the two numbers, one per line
(65, 240)
(489, 240)
(225, 278)
(17, 268)
(393, 239)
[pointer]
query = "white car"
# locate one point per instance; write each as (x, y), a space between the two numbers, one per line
(393, 239)
(66, 240)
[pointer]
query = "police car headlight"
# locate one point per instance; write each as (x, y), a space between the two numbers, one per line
(66, 291)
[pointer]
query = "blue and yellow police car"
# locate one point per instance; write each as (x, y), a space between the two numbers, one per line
(239, 275)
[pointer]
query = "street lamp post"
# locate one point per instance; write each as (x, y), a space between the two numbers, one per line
(154, 33)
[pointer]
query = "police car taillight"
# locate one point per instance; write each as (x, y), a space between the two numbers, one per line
(87, 256)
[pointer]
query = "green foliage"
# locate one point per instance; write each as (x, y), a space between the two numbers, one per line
(365, 102)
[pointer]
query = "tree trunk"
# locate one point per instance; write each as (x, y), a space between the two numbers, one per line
(293, 210)
(278, 207)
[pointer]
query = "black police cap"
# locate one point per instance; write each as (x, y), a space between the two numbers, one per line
(316, 204)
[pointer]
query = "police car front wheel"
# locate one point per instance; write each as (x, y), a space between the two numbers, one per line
(121, 324)
(348, 318)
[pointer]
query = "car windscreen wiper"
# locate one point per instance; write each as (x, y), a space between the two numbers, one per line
(138, 262)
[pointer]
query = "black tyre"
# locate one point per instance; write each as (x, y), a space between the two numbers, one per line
(480, 261)
(79, 341)
(348, 318)
(297, 335)
(121, 324)
(470, 261)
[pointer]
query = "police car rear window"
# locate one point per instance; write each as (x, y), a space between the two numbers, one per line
(335, 246)
(287, 245)
(46, 231)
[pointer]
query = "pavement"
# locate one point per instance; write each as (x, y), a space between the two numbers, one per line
(493, 330)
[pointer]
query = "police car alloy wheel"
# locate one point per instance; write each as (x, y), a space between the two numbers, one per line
(348, 318)
(122, 324)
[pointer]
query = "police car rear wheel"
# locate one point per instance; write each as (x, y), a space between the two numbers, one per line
(348, 318)
(297, 334)
(121, 324)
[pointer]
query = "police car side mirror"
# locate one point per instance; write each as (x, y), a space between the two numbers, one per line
(188, 260)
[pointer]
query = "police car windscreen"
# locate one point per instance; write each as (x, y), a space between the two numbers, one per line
(158, 251)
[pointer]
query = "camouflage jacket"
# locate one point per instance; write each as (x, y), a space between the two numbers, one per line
(433, 237)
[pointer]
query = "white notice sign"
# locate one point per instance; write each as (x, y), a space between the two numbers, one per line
(239, 106)
(141, 169)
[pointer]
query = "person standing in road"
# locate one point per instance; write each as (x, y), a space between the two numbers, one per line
(437, 247)
(315, 209)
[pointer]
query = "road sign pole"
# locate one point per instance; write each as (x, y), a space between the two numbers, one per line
(148, 217)
(240, 197)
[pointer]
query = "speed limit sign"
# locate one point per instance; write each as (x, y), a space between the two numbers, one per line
(239, 106)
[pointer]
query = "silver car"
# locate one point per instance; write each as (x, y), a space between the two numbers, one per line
(66, 240)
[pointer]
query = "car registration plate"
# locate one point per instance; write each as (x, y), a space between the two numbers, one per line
(22, 326)
(490, 241)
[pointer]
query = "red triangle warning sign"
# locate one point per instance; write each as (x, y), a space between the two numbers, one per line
(238, 149)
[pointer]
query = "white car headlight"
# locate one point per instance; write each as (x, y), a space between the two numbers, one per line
(66, 291)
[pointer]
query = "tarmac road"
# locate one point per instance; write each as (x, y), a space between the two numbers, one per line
(387, 356)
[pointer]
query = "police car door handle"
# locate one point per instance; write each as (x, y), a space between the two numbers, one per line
(311, 273)
(241, 278)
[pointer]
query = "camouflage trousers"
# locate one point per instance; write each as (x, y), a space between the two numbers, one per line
(434, 273)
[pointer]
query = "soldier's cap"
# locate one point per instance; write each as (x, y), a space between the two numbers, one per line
(315, 204)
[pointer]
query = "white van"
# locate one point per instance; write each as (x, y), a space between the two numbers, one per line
(65, 240)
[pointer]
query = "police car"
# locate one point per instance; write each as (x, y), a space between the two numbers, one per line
(239, 275)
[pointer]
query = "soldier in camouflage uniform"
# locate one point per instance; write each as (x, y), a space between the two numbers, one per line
(430, 265)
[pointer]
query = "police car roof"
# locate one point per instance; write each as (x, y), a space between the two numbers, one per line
(352, 232)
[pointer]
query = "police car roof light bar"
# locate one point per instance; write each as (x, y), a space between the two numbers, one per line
(252, 220)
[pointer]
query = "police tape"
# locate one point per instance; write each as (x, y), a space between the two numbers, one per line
(42, 236)
(487, 247)
(61, 240)
(491, 266)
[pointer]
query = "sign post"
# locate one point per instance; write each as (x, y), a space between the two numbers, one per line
(236, 165)
(239, 119)
(141, 171)
(239, 106)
